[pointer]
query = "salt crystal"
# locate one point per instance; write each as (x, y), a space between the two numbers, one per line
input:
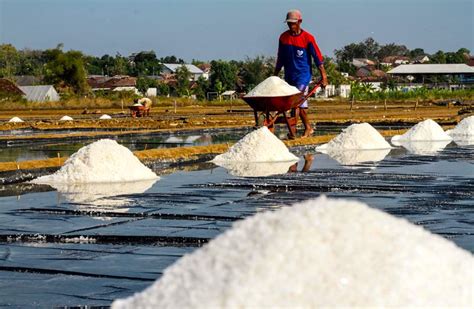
(258, 146)
(66, 118)
(427, 130)
(356, 137)
(15, 119)
(465, 128)
(105, 116)
(273, 87)
(102, 161)
(319, 253)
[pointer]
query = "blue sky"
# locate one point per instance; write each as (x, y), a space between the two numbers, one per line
(229, 29)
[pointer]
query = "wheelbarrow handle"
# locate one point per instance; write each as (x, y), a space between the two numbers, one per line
(312, 90)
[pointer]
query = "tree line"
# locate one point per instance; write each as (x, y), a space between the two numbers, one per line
(67, 70)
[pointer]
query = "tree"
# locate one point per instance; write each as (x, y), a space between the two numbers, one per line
(143, 83)
(9, 60)
(439, 57)
(66, 70)
(183, 75)
(417, 52)
(224, 72)
(392, 49)
(202, 86)
(334, 76)
(254, 71)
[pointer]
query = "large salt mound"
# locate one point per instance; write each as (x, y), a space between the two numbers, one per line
(357, 137)
(273, 87)
(105, 117)
(15, 119)
(66, 118)
(427, 130)
(465, 128)
(258, 146)
(320, 253)
(101, 161)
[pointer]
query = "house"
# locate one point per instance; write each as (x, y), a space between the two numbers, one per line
(362, 62)
(9, 88)
(421, 59)
(42, 93)
(395, 60)
(114, 83)
(26, 80)
(458, 74)
(229, 95)
(171, 68)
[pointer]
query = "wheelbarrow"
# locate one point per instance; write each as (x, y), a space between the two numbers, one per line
(283, 109)
(139, 111)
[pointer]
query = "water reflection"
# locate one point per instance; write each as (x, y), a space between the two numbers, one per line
(352, 157)
(254, 169)
(464, 141)
(102, 196)
(422, 147)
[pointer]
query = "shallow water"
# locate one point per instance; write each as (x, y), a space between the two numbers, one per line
(127, 241)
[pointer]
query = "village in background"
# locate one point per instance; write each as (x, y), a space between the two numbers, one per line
(359, 71)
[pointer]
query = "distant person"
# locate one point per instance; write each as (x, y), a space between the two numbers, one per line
(295, 49)
(146, 102)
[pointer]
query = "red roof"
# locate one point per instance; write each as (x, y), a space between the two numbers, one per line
(111, 82)
(9, 87)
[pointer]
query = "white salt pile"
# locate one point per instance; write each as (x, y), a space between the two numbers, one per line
(105, 116)
(66, 118)
(259, 169)
(273, 87)
(320, 253)
(258, 146)
(356, 137)
(427, 130)
(465, 128)
(101, 161)
(15, 119)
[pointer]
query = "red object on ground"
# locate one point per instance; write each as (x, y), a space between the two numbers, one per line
(139, 111)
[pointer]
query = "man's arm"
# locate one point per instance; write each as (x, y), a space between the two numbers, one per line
(324, 78)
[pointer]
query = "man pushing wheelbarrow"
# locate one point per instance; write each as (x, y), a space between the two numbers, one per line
(295, 49)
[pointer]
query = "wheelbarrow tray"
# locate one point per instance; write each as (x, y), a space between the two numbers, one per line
(278, 104)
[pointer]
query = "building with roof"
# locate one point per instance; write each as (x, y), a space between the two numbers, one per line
(435, 75)
(9, 88)
(43, 93)
(114, 83)
(171, 68)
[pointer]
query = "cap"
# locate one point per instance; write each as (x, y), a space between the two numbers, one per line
(293, 16)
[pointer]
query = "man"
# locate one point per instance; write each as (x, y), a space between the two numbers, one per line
(295, 49)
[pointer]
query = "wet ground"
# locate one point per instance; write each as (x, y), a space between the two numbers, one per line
(19, 149)
(88, 245)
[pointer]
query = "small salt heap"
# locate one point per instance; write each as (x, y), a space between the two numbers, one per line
(66, 118)
(427, 130)
(258, 146)
(273, 87)
(465, 128)
(319, 253)
(105, 116)
(101, 161)
(15, 119)
(357, 137)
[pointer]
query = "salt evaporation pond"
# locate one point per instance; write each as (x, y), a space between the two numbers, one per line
(77, 248)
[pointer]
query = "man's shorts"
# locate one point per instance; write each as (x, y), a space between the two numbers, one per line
(303, 88)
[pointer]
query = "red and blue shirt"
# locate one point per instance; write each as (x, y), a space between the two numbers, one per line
(295, 53)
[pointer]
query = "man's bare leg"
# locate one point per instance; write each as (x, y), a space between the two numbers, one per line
(308, 130)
